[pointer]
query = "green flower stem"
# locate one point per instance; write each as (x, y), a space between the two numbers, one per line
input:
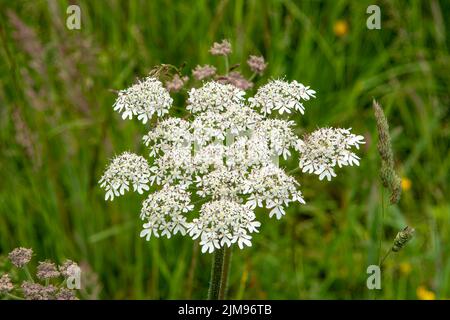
(191, 274)
(384, 258)
(27, 272)
(225, 271)
(216, 274)
(226, 65)
(13, 297)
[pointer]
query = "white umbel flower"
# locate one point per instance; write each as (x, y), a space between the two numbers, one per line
(278, 135)
(214, 96)
(144, 99)
(272, 186)
(169, 133)
(222, 223)
(325, 148)
(223, 158)
(125, 169)
(164, 212)
(281, 96)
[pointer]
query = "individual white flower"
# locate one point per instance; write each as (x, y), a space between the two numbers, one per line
(214, 96)
(222, 223)
(164, 212)
(144, 99)
(125, 169)
(281, 96)
(325, 148)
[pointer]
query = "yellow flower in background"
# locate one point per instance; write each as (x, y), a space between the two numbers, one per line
(406, 184)
(425, 294)
(405, 268)
(340, 28)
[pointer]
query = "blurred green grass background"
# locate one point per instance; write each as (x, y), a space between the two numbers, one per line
(58, 131)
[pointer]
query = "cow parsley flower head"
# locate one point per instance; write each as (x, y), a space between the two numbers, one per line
(270, 187)
(164, 212)
(325, 148)
(144, 99)
(168, 133)
(212, 170)
(214, 96)
(282, 96)
(125, 169)
(222, 223)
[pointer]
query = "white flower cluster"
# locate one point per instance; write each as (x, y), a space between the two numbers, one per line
(223, 158)
(281, 96)
(325, 148)
(214, 96)
(125, 169)
(164, 212)
(143, 100)
(270, 184)
(223, 222)
(169, 133)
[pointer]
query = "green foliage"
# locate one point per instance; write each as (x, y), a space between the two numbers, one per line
(58, 131)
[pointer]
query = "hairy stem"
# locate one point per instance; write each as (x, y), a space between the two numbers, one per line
(225, 271)
(216, 274)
